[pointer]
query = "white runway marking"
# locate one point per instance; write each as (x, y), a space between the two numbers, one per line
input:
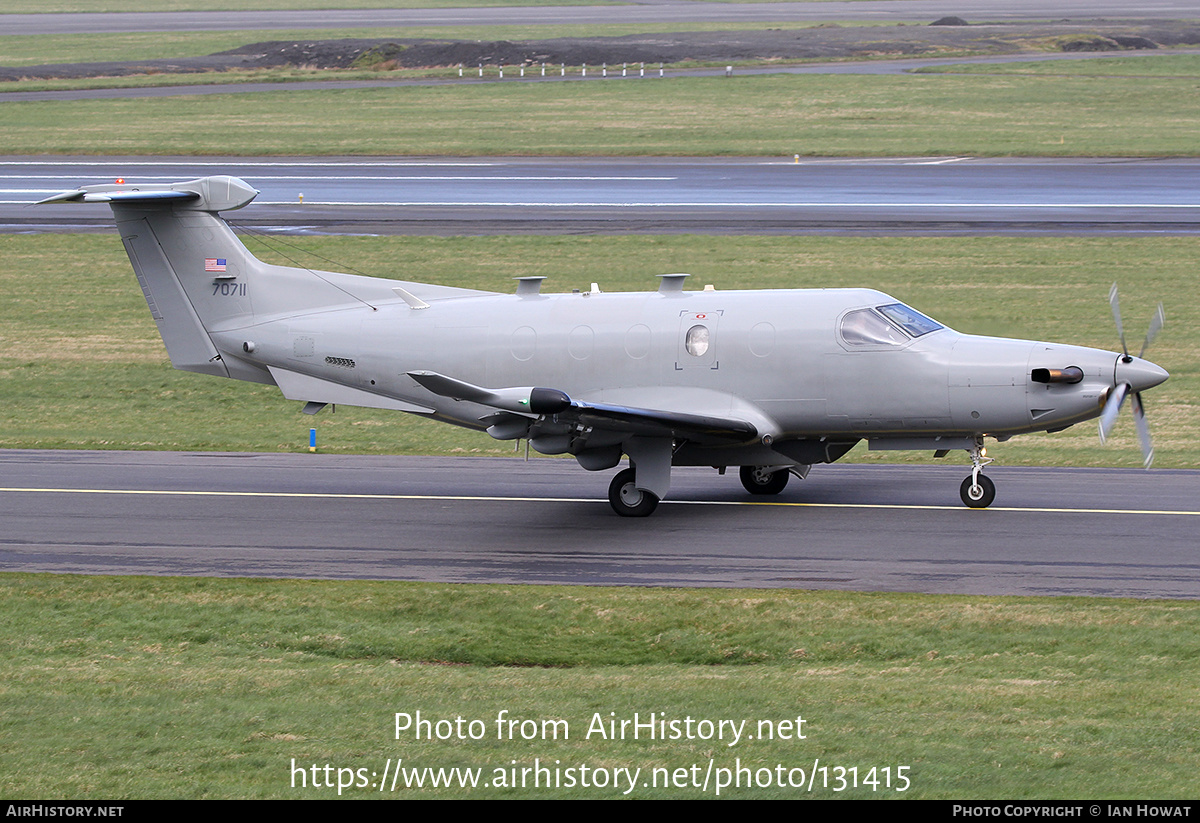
(170, 178)
(764, 204)
(510, 499)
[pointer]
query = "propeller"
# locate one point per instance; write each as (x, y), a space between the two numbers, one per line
(1122, 389)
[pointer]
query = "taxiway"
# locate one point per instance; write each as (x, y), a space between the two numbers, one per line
(1099, 532)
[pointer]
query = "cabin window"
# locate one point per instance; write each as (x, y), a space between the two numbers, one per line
(696, 341)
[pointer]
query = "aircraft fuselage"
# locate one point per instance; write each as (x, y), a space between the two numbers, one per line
(779, 352)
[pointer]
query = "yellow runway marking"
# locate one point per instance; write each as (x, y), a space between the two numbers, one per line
(501, 499)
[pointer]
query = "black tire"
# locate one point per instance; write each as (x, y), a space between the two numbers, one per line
(627, 499)
(759, 482)
(978, 497)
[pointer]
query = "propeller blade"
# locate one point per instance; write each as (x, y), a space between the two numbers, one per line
(1112, 408)
(1143, 429)
(1115, 302)
(1156, 324)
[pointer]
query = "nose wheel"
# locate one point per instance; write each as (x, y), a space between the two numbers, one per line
(977, 492)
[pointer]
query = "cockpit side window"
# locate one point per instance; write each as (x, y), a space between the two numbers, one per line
(866, 328)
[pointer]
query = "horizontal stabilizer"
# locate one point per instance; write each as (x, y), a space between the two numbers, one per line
(220, 193)
(81, 196)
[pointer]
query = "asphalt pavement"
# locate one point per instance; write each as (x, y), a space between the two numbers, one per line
(1100, 532)
(765, 195)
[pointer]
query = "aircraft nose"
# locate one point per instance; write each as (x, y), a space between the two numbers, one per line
(1139, 374)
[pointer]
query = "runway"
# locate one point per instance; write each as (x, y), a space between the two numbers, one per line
(947, 195)
(1097, 532)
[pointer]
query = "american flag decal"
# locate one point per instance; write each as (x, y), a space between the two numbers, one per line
(214, 264)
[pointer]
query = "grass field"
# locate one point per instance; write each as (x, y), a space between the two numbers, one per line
(197, 688)
(775, 115)
(1146, 64)
(86, 369)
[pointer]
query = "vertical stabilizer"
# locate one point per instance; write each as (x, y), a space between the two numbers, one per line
(192, 268)
(201, 283)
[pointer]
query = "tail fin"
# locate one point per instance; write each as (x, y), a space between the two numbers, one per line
(198, 278)
(192, 269)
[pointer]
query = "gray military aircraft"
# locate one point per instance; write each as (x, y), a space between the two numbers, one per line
(770, 381)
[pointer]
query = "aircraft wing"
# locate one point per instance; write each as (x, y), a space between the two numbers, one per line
(317, 393)
(648, 422)
(697, 415)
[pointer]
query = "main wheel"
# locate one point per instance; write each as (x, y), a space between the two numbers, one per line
(761, 480)
(627, 499)
(978, 496)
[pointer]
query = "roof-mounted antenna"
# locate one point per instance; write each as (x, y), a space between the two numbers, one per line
(672, 283)
(529, 286)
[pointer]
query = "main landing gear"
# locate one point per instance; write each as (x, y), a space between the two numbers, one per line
(627, 499)
(764, 479)
(978, 491)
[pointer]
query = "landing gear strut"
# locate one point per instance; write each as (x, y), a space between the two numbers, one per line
(978, 491)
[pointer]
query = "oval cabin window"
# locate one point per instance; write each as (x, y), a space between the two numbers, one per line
(697, 341)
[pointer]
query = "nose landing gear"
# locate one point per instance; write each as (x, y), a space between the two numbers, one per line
(978, 491)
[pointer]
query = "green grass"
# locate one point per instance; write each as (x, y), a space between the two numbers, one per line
(85, 368)
(1144, 64)
(119, 688)
(774, 115)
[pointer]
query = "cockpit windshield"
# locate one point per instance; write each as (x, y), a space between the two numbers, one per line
(912, 321)
(888, 326)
